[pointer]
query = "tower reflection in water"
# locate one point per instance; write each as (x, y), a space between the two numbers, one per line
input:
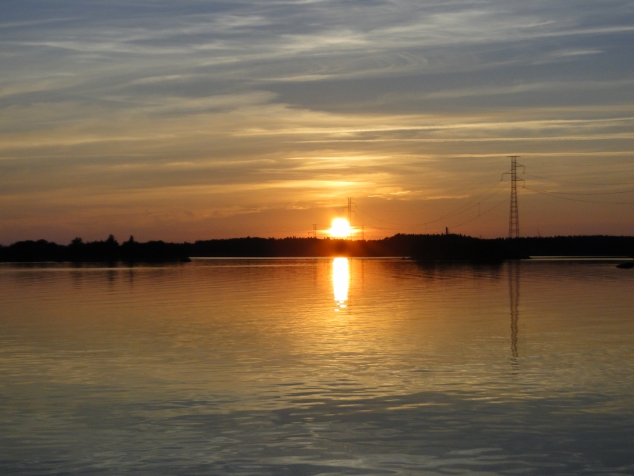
(514, 294)
(340, 281)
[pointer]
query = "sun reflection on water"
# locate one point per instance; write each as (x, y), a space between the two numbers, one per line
(340, 281)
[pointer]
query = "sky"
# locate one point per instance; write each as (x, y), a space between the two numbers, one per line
(193, 120)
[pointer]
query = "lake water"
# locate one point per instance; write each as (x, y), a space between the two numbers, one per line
(317, 367)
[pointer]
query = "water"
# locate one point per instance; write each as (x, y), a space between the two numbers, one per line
(317, 367)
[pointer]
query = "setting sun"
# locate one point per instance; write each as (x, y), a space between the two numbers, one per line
(340, 228)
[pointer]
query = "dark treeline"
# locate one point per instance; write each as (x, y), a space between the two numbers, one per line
(424, 247)
(420, 247)
(96, 251)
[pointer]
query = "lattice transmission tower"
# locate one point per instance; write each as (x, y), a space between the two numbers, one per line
(350, 204)
(514, 219)
(350, 211)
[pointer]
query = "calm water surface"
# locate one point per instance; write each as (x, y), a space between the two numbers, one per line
(317, 367)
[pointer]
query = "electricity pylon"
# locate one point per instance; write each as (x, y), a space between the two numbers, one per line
(350, 211)
(350, 204)
(514, 220)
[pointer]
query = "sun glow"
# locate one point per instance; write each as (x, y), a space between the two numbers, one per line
(340, 228)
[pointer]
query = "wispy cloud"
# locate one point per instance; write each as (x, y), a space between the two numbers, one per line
(210, 111)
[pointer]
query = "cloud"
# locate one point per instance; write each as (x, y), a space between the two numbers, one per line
(195, 106)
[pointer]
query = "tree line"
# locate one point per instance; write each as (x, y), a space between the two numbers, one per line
(420, 247)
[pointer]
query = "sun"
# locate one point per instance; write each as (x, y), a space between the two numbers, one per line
(340, 228)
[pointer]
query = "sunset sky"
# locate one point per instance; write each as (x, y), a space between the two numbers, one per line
(205, 119)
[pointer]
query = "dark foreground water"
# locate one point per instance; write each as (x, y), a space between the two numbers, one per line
(317, 367)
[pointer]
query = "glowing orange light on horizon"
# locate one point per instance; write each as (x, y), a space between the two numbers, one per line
(340, 228)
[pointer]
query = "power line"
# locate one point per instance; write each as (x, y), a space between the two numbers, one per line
(514, 216)
(551, 162)
(551, 194)
(593, 193)
(580, 183)
(459, 210)
(470, 219)
(481, 214)
(377, 219)
(456, 211)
